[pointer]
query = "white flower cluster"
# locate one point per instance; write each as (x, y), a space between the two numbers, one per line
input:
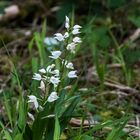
(70, 31)
(51, 75)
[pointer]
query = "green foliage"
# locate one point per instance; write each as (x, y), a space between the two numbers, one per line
(116, 4)
(135, 20)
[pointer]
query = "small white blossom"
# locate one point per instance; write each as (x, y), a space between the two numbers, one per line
(50, 67)
(66, 35)
(71, 47)
(53, 96)
(56, 72)
(59, 37)
(42, 86)
(37, 77)
(55, 81)
(75, 31)
(72, 74)
(77, 40)
(33, 99)
(77, 27)
(67, 22)
(42, 70)
(55, 54)
(70, 65)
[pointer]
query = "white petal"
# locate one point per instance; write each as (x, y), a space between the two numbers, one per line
(72, 74)
(75, 31)
(50, 67)
(71, 47)
(50, 41)
(55, 72)
(67, 19)
(53, 96)
(37, 77)
(59, 37)
(77, 27)
(67, 23)
(33, 99)
(70, 65)
(55, 54)
(42, 70)
(54, 80)
(42, 86)
(77, 40)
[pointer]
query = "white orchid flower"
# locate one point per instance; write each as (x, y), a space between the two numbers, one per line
(55, 54)
(42, 70)
(70, 65)
(37, 77)
(42, 86)
(72, 74)
(75, 31)
(77, 40)
(33, 99)
(55, 81)
(56, 72)
(53, 96)
(67, 25)
(59, 37)
(50, 67)
(71, 47)
(77, 27)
